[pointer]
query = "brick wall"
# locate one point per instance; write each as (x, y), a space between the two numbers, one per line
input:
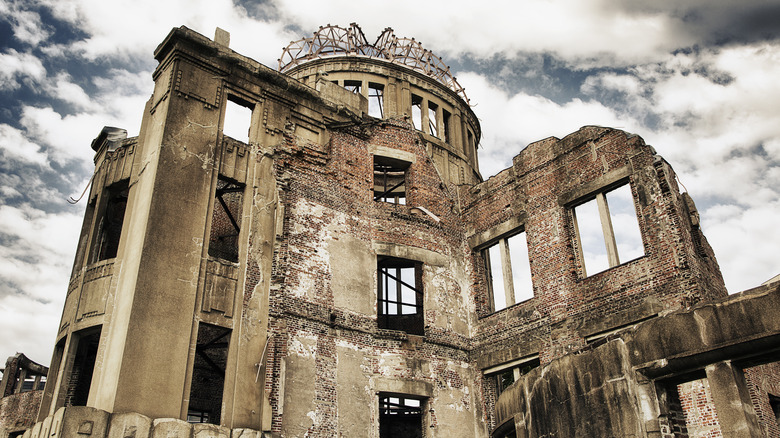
(546, 179)
(762, 381)
(701, 419)
(327, 195)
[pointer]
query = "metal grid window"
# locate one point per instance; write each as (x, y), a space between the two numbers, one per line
(390, 180)
(226, 220)
(400, 295)
(400, 416)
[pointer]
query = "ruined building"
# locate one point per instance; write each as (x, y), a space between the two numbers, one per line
(337, 266)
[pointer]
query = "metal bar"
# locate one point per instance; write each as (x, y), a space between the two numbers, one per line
(229, 215)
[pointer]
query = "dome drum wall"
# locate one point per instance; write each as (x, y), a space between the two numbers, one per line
(440, 115)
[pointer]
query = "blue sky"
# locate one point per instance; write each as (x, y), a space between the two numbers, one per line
(697, 79)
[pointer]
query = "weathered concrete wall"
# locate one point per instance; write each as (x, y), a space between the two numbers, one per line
(613, 389)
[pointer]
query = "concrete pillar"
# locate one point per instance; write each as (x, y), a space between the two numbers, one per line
(9, 376)
(730, 393)
(22, 376)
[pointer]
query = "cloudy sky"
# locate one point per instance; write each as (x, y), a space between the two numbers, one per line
(697, 79)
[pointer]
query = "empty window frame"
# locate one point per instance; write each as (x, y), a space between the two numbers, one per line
(417, 111)
(512, 372)
(508, 271)
(607, 229)
(83, 365)
(400, 295)
(472, 147)
(376, 100)
(353, 86)
(110, 225)
(238, 119)
(208, 374)
(390, 180)
(400, 416)
(445, 117)
(226, 220)
(433, 119)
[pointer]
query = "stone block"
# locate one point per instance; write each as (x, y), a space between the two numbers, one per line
(171, 428)
(79, 421)
(129, 425)
(246, 433)
(35, 432)
(46, 426)
(210, 431)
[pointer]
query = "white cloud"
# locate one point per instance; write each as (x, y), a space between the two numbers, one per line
(18, 67)
(113, 27)
(574, 30)
(65, 90)
(26, 25)
(745, 242)
(509, 123)
(623, 83)
(29, 326)
(67, 137)
(34, 271)
(15, 145)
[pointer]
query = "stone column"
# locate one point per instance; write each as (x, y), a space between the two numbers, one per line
(735, 411)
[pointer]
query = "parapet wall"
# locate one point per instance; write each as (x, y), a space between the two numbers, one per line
(84, 422)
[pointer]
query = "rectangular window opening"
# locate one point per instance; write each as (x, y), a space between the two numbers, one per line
(208, 374)
(390, 180)
(353, 86)
(238, 119)
(508, 271)
(446, 119)
(417, 111)
(607, 229)
(111, 221)
(400, 295)
(400, 416)
(376, 106)
(80, 379)
(433, 119)
(226, 220)
(513, 371)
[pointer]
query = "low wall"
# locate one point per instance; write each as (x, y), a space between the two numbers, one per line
(18, 411)
(86, 422)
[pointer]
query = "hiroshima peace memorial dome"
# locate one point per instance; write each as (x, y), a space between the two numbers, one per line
(311, 251)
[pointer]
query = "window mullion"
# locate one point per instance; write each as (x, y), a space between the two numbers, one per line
(506, 267)
(606, 227)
